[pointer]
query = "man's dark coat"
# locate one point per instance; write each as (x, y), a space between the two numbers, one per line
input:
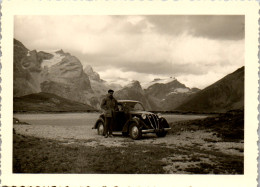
(109, 104)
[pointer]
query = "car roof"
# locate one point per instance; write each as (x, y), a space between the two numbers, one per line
(128, 101)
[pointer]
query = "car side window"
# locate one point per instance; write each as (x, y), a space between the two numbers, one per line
(126, 107)
(138, 107)
(120, 108)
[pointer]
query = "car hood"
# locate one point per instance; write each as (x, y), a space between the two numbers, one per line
(140, 112)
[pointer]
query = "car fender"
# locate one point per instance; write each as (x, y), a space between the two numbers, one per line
(129, 122)
(164, 123)
(96, 124)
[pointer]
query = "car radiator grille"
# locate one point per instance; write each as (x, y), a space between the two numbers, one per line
(153, 120)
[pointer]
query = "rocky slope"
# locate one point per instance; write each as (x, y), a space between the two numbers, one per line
(66, 78)
(98, 85)
(224, 95)
(46, 102)
(56, 72)
(92, 74)
(27, 70)
(134, 91)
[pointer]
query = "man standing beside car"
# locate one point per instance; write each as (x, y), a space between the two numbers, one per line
(109, 104)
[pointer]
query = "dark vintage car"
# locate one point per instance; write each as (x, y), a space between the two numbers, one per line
(133, 120)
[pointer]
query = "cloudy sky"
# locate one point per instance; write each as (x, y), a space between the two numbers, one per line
(197, 50)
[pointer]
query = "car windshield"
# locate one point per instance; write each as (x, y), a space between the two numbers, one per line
(134, 106)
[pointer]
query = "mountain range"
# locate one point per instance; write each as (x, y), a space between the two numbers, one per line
(60, 75)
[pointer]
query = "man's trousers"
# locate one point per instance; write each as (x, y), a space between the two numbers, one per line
(108, 125)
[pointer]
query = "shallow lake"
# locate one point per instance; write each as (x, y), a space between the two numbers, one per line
(78, 119)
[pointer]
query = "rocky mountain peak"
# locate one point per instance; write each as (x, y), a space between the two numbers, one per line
(133, 91)
(53, 72)
(25, 64)
(164, 86)
(176, 84)
(195, 89)
(91, 73)
(19, 44)
(68, 67)
(134, 85)
(61, 52)
(44, 55)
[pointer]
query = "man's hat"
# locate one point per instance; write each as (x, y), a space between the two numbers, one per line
(109, 91)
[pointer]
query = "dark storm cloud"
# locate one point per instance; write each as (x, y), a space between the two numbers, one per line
(148, 67)
(173, 25)
(166, 68)
(106, 61)
(224, 27)
(163, 67)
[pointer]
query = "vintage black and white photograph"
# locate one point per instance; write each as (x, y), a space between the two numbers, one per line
(128, 94)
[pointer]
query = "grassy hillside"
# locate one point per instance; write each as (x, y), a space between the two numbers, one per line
(46, 102)
(222, 96)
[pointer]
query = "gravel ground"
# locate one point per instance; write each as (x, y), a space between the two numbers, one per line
(194, 146)
(199, 148)
(207, 140)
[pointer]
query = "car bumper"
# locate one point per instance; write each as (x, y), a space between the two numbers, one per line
(155, 130)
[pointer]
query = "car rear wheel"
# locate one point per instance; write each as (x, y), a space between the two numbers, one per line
(135, 132)
(161, 134)
(100, 128)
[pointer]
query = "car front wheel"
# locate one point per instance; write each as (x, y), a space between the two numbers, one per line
(100, 128)
(135, 132)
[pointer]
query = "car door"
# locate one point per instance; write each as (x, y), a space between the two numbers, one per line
(120, 119)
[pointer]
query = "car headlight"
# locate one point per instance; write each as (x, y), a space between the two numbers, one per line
(159, 115)
(144, 116)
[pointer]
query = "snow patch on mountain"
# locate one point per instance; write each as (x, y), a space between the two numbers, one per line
(182, 90)
(179, 90)
(158, 80)
(57, 57)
